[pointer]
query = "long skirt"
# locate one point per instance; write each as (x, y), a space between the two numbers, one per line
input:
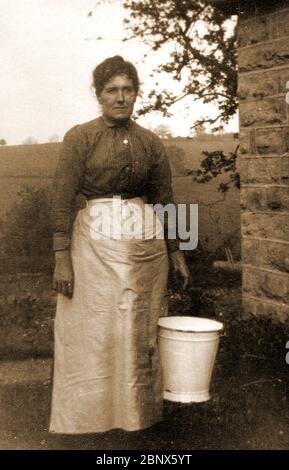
(106, 363)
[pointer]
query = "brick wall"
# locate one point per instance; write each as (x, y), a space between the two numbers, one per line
(263, 57)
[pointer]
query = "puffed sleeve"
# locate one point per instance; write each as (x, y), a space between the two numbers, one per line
(67, 182)
(160, 188)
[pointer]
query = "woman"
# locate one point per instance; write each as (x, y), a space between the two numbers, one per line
(111, 291)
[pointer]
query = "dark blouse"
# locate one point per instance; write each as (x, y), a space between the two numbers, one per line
(101, 160)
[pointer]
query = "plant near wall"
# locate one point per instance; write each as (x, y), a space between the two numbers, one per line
(218, 163)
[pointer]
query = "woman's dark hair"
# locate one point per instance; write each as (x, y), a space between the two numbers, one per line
(110, 67)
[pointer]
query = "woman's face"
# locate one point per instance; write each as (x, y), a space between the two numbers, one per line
(117, 98)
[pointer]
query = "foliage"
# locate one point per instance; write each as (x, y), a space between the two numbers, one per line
(30, 141)
(202, 53)
(202, 58)
(27, 233)
(162, 130)
(217, 163)
(54, 138)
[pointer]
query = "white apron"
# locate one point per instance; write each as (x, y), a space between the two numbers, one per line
(106, 364)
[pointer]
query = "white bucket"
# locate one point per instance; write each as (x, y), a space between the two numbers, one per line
(188, 348)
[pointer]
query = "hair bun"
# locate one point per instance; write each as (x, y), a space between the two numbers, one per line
(117, 58)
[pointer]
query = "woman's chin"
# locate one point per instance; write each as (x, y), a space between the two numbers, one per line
(121, 116)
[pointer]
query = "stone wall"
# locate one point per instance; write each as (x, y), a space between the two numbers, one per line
(263, 58)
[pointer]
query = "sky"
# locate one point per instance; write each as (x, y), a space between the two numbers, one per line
(48, 51)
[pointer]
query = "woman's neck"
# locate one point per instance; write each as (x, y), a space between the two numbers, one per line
(114, 122)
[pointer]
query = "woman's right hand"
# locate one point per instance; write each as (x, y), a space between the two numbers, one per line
(63, 277)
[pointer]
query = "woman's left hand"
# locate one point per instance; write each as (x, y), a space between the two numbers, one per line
(180, 267)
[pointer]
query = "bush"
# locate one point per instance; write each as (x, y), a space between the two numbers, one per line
(26, 238)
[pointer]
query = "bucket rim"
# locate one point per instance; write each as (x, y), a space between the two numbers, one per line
(217, 330)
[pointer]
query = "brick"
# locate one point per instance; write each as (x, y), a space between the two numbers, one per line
(246, 141)
(260, 170)
(265, 284)
(258, 85)
(254, 30)
(253, 199)
(258, 308)
(266, 254)
(250, 251)
(263, 28)
(262, 84)
(277, 198)
(265, 198)
(282, 23)
(266, 111)
(275, 255)
(285, 168)
(264, 55)
(256, 8)
(272, 140)
(267, 225)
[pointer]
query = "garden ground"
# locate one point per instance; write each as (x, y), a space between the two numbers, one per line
(249, 407)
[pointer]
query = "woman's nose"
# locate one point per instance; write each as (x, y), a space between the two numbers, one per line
(120, 96)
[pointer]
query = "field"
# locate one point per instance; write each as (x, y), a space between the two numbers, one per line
(219, 222)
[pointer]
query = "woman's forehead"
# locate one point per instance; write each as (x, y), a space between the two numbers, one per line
(119, 80)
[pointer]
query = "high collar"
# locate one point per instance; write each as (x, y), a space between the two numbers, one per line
(122, 124)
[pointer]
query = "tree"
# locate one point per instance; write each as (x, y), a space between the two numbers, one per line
(202, 53)
(162, 130)
(200, 130)
(29, 141)
(217, 163)
(54, 138)
(202, 57)
(3, 142)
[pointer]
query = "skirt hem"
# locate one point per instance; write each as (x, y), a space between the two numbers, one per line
(93, 431)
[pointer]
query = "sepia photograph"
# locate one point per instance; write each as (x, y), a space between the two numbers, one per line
(144, 228)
